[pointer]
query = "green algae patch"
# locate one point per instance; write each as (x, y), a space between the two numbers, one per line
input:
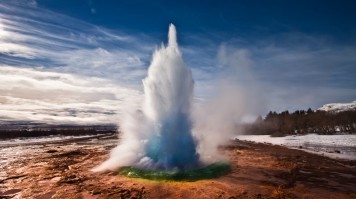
(211, 171)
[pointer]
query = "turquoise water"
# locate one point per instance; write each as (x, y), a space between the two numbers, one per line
(211, 171)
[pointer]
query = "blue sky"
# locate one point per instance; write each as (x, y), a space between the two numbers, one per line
(70, 60)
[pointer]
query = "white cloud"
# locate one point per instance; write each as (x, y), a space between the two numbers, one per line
(16, 50)
(57, 69)
(29, 94)
(50, 39)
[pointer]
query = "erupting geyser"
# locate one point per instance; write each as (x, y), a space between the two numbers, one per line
(159, 136)
(168, 94)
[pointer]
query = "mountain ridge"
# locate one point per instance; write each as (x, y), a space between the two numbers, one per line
(338, 107)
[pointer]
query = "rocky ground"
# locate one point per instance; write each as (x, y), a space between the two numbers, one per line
(62, 170)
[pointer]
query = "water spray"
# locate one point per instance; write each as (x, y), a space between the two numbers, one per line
(158, 138)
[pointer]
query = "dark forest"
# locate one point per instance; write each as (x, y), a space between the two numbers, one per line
(303, 122)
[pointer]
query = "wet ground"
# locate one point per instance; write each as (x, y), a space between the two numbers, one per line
(62, 170)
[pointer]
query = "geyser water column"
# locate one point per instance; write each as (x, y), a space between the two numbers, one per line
(168, 94)
(158, 136)
(156, 141)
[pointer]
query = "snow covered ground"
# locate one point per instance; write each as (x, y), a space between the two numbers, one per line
(42, 140)
(338, 107)
(334, 146)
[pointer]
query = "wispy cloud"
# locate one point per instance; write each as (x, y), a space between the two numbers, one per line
(32, 36)
(54, 68)
(36, 95)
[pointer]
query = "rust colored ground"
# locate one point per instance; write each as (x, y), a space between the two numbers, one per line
(258, 171)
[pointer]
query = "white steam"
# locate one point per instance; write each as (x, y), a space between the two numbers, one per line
(235, 98)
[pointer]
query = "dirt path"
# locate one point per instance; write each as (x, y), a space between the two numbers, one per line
(258, 171)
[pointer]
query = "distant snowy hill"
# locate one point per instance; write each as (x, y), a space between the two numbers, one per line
(339, 107)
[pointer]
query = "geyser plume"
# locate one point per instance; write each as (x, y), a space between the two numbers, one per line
(159, 136)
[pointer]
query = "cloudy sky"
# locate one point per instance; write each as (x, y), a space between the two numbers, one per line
(82, 61)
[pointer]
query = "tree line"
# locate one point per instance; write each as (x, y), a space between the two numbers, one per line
(304, 122)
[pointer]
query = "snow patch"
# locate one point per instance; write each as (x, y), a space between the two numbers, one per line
(338, 107)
